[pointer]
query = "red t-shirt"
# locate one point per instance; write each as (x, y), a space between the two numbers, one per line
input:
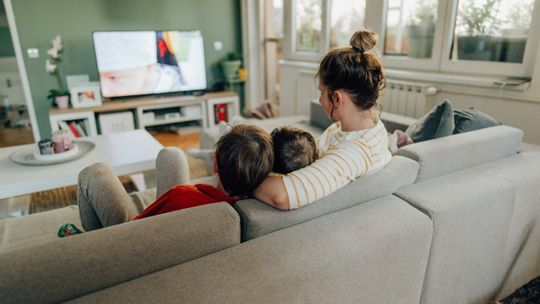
(185, 196)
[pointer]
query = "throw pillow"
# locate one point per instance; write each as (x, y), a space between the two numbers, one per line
(471, 119)
(439, 122)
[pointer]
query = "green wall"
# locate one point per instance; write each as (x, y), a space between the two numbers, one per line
(38, 21)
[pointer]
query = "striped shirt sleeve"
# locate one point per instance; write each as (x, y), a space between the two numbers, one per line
(335, 169)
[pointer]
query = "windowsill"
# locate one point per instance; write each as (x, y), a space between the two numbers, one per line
(490, 82)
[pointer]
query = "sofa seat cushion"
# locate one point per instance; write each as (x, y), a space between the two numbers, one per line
(259, 219)
(471, 213)
(522, 253)
(73, 266)
(35, 229)
(371, 253)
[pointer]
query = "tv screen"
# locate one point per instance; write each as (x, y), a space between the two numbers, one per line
(149, 62)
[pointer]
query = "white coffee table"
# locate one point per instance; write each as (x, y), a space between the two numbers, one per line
(126, 152)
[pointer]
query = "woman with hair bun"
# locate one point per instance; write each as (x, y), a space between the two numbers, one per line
(350, 81)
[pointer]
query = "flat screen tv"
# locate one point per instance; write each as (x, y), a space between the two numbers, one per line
(149, 62)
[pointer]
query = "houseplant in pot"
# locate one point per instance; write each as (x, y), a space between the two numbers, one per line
(230, 65)
(421, 29)
(59, 96)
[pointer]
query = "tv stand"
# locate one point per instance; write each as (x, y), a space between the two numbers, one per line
(149, 111)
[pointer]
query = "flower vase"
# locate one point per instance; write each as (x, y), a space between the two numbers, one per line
(62, 102)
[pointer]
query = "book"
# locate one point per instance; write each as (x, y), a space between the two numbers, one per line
(79, 129)
(73, 130)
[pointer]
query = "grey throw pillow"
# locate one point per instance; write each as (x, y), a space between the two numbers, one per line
(471, 119)
(439, 122)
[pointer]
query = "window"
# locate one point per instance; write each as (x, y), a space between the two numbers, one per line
(490, 37)
(491, 30)
(308, 25)
(410, 28)
(347, 16)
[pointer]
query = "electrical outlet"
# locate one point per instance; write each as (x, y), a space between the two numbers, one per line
(218, 45)
(32, 53)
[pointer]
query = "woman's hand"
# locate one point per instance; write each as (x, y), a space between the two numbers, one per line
(272, 192)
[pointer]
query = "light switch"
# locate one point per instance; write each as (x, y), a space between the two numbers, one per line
(32, 53)
(218, 45)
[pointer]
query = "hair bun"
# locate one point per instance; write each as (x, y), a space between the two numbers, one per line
(363, 40)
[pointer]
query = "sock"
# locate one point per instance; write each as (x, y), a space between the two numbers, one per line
(68, 229)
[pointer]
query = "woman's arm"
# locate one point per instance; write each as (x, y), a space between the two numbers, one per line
(272, 192)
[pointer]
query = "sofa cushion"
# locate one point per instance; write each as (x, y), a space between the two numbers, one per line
(259, 219)
(439, 122)
(371, 253)
(471, 213)
(453, 153)
(471, 119)
(35, 229)
(83, 263)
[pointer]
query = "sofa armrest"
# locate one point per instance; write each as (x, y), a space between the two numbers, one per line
(453, 153)
(67, 268)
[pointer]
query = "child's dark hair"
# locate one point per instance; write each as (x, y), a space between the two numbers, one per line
(293, 149)
(355, 70)
(244, 158)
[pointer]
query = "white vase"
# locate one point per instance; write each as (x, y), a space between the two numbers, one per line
(62, 102)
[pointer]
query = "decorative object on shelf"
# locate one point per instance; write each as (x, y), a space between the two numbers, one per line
(85, 95)
(230, 65)
(243, 74)
(32, 156)
(59, 96)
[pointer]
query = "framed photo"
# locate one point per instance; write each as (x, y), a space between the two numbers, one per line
(85, 95)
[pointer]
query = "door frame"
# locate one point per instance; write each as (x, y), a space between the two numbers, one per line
(22, 69)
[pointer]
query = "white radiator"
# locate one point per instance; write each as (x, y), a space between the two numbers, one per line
(306, 91)
(410, 99)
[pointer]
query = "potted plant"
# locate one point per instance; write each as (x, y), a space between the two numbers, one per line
(477, 24)
(421, 29)
(59, 96)
(230, 65)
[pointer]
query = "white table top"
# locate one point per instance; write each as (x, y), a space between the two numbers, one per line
(126, 152)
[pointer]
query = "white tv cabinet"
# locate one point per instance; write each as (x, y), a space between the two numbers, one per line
(153, 111)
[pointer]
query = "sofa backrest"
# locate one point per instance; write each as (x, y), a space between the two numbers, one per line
(371, 253)
(444, 155)
(259, 219)
(77, 265)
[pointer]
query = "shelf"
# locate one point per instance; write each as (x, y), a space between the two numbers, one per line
(158, 122)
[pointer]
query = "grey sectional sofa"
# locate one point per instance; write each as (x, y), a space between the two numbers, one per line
(452, 220)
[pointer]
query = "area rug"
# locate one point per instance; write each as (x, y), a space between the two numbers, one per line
(62, 197)
(65, 196)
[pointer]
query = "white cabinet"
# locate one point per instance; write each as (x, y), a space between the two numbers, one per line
(78, 124)
(181, 110)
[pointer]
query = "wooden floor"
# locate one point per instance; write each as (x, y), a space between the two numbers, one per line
(172, 139)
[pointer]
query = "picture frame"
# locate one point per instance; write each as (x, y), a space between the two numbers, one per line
(86, 95)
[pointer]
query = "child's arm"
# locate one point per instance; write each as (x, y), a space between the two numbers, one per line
(272, 192)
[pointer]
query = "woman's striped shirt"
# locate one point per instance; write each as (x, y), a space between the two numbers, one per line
(344, 157)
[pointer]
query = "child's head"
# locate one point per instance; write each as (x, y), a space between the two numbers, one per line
(244, 158)
(293, 149)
